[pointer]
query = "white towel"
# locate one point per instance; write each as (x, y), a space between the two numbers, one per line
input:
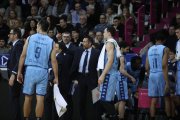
(178, 50)
(60, 103)
(102, 54)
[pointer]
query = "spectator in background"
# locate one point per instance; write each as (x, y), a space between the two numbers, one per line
(176, 21)
(3, 47)
(2, 11)
(52, 23)
(51, 34)
(26, 6)
(13, 6)
(102, 23)
(126, 14)
(61, 7)
(73, 2)
(110, 14)
(10, 21)
(34, 13)
(92, 17)
(91, 33)
(30, 28)
(99, 39)
(4, 30)
(119, 29)
(105, 4)
(75, 13)
(97, 6)
(59, 37)
(76, 37)
(83, 26)
(63, 26)
(127, 4)
(171, 38)
(45, 9)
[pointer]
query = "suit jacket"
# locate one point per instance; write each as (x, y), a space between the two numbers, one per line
(92, 68)
(64, 65)
(14, 55)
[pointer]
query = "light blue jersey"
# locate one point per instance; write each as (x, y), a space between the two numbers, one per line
(155, 56)
(107, 89)
(135, 74)
(37, 64)
(178, 77)
(39, 50)
(156, 83)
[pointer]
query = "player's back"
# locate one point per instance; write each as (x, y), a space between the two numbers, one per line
(39, 50)
(155, 57)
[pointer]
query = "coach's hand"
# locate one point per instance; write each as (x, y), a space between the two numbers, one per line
(55, 81)
(11, 80)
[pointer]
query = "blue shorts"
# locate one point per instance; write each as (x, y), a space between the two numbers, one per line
(156, 85)
(122, 88)
(107, 89)
(35, 79)
(178, 83)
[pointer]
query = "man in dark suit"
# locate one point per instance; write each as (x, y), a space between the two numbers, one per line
(84, 72)
(66, 39)
(12, 65)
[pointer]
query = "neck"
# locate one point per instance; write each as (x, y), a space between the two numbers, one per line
(110, 37)
(44, 33)
(159, 43)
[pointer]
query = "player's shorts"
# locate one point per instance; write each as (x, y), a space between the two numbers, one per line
(122, 88)
(156, 85)
(107, 89)
(35, 79)
(178, 83)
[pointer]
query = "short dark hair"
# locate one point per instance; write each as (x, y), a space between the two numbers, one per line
(117, 17)
(17, 31)
(90, 39)
(44, 25)
(63, 17)
(161, 35)
(177, 27)
(135, 58)
(123, 45)
(112, 30)
(62, 46)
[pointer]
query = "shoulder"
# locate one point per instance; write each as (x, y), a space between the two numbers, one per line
(20, 43)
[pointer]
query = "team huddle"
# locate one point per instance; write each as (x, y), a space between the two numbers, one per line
(117, 80)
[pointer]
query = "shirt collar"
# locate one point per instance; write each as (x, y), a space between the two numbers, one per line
(89, 49)
(14, 42)
(67, 45)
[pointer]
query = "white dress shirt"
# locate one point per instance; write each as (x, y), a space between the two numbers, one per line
(82, 60)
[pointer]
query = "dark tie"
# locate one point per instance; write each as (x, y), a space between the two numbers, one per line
(85, 62)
